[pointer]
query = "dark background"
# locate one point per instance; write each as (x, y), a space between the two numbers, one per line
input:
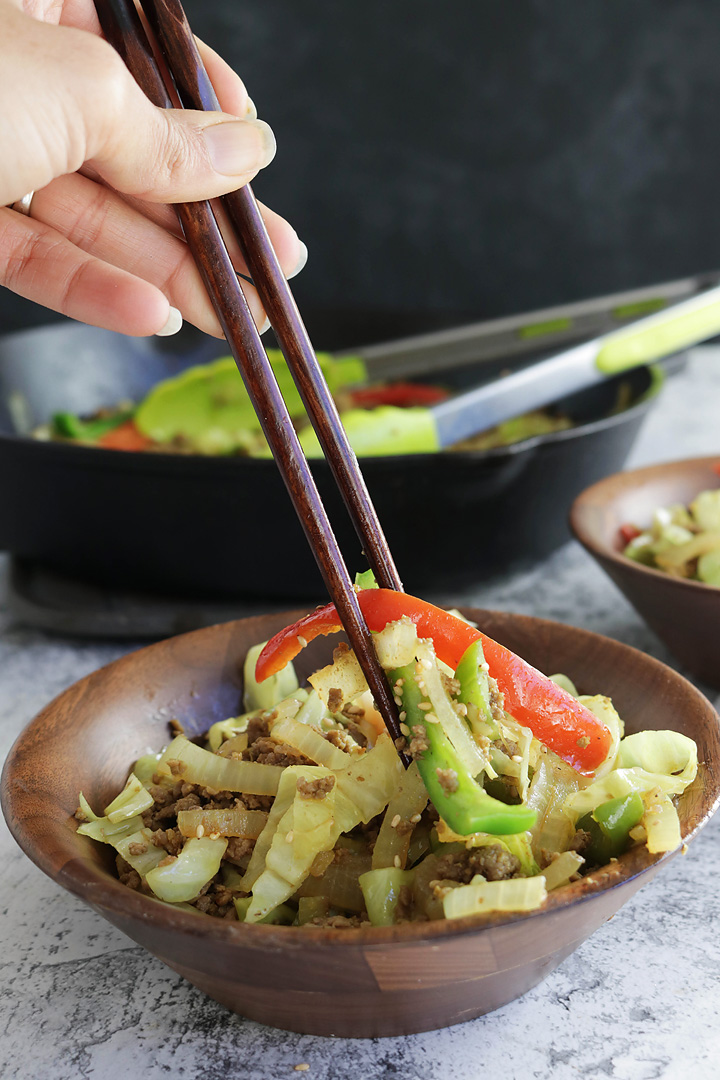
(482, 157)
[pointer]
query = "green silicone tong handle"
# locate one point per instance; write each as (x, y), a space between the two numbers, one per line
(660, 335)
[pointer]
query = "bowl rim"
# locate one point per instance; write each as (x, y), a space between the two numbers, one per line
(105, 892)
(633, 479)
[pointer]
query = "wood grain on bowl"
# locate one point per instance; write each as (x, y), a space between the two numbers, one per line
(351, 983)
(684, 614)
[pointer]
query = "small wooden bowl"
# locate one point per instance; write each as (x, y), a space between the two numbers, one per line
(362, 983)
(683, 614)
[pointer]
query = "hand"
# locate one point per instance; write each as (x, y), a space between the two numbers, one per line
(100, 245)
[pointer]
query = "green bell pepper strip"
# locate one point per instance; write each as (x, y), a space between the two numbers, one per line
(468, 809)
(72, 427)
(609, 826)
(472, 674)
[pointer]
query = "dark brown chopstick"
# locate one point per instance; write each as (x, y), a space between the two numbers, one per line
(123, 28)
(173, 33)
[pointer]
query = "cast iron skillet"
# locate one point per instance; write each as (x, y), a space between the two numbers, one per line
(220, 527)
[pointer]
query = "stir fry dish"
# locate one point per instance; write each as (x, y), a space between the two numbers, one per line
(299, 811)
(683, 541)
(206, 410)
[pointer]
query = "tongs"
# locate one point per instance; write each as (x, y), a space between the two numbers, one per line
(123, 28)
(583, 366)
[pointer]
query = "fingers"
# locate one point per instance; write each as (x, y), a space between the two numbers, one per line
(103, 224)
(39, 264)
(168, 155)
(99, 222)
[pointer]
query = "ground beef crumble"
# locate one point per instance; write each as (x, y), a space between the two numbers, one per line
(418, 744)
(335, 699)
(448, 780)
(494, 862)
(315, 789)
(340, 922)
(268, 752)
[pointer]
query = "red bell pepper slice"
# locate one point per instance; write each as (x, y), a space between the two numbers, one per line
(555, 717)
(124, 437)
(628, 533)
(402, 394)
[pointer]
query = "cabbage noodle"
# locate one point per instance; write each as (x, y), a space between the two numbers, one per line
(235, 821)
(560, 870)
(661, 822)
(198, 766)
(266, 694)
(132, 800)
(183, 877)
(482, 897)
(310, 826)
(408, 801)
(603, 708)
(310, 742)
(553, 785)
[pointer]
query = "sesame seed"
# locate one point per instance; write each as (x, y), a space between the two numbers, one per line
(301, 1068)
(405, 729)
(200, 831)
(397, 700)
(415, 818)
(396, 862)
(418, 668)
(302, 641)
(289, 837)
(395, 821)
(214, 835)
(461, 708)
(516, 757)
(430, 718)
(400, 681)
(425, 706)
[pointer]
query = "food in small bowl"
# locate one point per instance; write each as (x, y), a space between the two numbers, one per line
(684, 541)
(325, 977)
(659, 570)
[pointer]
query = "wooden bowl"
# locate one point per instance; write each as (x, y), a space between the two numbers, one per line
(683, 614)
(365, 982)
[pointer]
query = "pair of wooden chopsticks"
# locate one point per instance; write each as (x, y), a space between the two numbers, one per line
(123, 28)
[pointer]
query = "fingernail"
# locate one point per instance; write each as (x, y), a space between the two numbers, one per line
(301, 261)
(240, 146)
(265, 326)
(251, 111)
(173, 324)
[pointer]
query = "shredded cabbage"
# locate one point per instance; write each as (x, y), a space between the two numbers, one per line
(482, 897)
(132, 800)
(661, 822)
(198, 766)
(603, 708)
(666, 752)
(183, 878)
(268, 693)
(560, 870)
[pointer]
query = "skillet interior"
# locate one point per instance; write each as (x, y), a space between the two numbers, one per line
(224, 527)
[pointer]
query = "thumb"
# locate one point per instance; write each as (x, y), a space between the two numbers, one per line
(165, 155)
